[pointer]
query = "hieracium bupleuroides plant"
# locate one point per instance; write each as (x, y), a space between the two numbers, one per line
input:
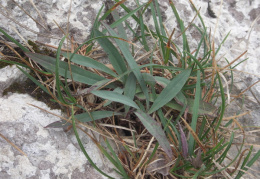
(154, 99)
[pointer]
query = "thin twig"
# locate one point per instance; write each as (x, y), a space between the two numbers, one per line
(12, 144)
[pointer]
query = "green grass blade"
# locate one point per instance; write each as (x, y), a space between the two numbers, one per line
(171, 90)
(155, 129)
(204, 108)
(57, 76)
(96, 23)
(119, 164)
(34, 80)
(144, 42)
(224, 154)
(195, 113)
(115, 162)
(158, 33)
(149, 79)
(180, 22)
(245, 161)
(201, 20)
(223, 104)
(89, 62)
(114, 56)
(14, 63)
(134, 17)
(203, 124)
(67, 90)
(198, 63)
(95, 26)
(131, 62)
(130, 88)
(159, 17)
(223, 41)
(22, 65)
(200, 44)
(79, 74)
(196, 175)
(119, 23)
(14, 41)
(129, 14)
(249, 164)
(116, 90)
(167, 55)
(153, 153)
(95, 115)
(109, 157)
(82, 147)
(113, 96)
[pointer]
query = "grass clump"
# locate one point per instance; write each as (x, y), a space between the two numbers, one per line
(157, 107)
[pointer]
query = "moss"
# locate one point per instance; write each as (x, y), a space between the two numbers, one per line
(13, 57)
(40, 49)
(29, 87)
(10, 56)
(3, 64)
(34, 46)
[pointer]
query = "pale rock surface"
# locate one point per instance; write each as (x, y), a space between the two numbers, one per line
(240, 17)
(9, 75)
(51, 153)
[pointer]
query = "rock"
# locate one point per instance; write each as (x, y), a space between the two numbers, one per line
(51, 153)
(82, 17)
(9, 75)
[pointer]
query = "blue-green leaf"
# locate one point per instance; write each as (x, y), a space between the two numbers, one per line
(171, 90)
(195, 113)
(89, 62)
(79, 74)
(95, 115)
(114, 56)
(130, 88)
(113, 96)
(131, 62)
(155, 129)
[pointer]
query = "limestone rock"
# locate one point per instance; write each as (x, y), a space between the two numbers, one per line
(9, 75)
(51, 153)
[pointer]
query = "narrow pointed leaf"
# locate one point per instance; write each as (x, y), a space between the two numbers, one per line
(204, 107)
(58, 124)
(79, 74)
(149, 79)
(14, 41)
(131, 61)
(180, 98)
(95, 115)
(155, 129)
(113, 96)
(129, 14)
(34, 80)
(171, 90)
(249, 164)
(82, 147)
(114, 56)
(195, 113)
(95, 86)
(89, 62)
(116, 90)
(130, 88)
(184, 144)
(119, 24)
